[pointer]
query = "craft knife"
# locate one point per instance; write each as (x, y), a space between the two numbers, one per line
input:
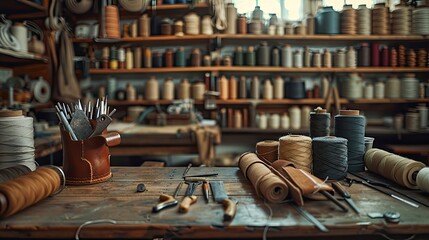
(167, 200)
(80, 124)
(310, 218)
(346, 195)
(220, 196)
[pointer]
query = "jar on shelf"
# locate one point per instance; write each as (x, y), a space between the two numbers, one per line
(327, 21)
(168, 89)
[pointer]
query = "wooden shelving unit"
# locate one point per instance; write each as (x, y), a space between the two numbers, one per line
(22, 9)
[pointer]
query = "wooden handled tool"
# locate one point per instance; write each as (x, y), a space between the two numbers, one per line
(167, 200)
(220, 195)
(189, 198)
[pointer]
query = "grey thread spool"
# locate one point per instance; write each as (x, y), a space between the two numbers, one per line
(351, 57)
(263, 54)
(278, 87)
(242, 88)
(410, 87)
(297, 59)
(317, 59)
(238, 56)
(351, 126)
(330, 157)
(364, 55)
(307, 57)
(320, 123)
(275, 57)
(393, 87)
(340, 58)
(255, 88)
(9, 173)
(295, 89)
(250, 56)
(286, 56)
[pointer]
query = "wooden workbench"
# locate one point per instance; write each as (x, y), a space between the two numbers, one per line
(61, 215)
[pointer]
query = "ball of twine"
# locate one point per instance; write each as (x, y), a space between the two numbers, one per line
(394, 167)
(267, 150)
(297, 149)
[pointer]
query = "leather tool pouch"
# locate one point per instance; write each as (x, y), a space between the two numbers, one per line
(87, 161)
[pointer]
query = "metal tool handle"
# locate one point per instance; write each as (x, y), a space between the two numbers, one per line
(230, 209)
(167, 201)
(186, 203)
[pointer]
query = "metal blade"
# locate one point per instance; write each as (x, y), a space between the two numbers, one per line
(310, 218)
(218, 190)
(352, 205)
(191, 188)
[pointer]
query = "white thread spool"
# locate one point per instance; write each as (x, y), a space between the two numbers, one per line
(280, 30)
(305, 116)
(198, 90)
(254, 88)
(295, 117)
(41, 90)
(268, 90)
(422, 179)
(368, 91)
(206, 25)
(271, 30)
(192, 24)
(152, 89)
(351, 57)
(20, 32)
(238, 119)
(393, 87)
(231, 19)
(183, 91)
(285, 122)
(17, 140)
(352, 87)
(278, 87)
(131, 92)
(297, 59)
(412, 121)
(262, 121)
(423, 115)
(379, 90)
(274, 121)
(168, 89)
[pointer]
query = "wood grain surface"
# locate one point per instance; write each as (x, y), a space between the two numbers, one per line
(60, 216)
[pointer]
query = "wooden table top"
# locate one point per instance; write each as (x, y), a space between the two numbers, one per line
(60, 216)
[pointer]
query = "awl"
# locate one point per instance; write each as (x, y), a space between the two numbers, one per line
(220, 196)
(167, 200)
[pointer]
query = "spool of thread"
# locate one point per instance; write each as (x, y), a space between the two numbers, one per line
(147, 63)
(285, 121)
(152, 89)
(112, 25)
(363, 20)
(166, 27)
(329, 157)
(262, 121)
(352, 87)
(412, 121)
(289, 29)
(206, 25)
(179, 57)
(364, 55)
(402, 56)
(17, 141)
(351, 126)
(178, 28)
(231, 19)
(320, 123)
(267, 184)
(384, 61)
(422, 57)
(275, 57)
(368, 92)
(255, 88)
(168, 89)
(133, 30)
(242, 24)
(267, 150)
(250, 56)
(26, 190)
(9, 173)
(340, 58)
(227, 61)
(398, 122)
(297, 59)
(317, 59)
(327, 21)
(307, 57)
(192, 24)
(379, 90)
(263, 54)
(155, 25)
(20, 32)
(168, 58)
(137, 57)
(295, 89)
(375, 54)
(380, 19)
(242, 88)
(223, 88)
(207, 60)
(411, 58)
(351, 57)
(286, 56)
(198, 90)
(393, 57)
(196, 57)
(310, 24)
(327, 59)
(267, 92)
(232, 88)
(410, 87)
(184, 89)
(305, 116)
(238, 119)
(129, 59)
(348, 20)
(144, 25)
(111, 86)
(295, 117)
(393, 87)
(131, 92)
(255, 27)
(280, 30)
(238, 56)
(423, 115)
(422, 179)
(297, 149)
(394, 167)
(278, 87)
(274, 121)
(157, 59)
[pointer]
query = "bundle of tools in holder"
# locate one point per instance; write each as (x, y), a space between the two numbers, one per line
(83, 122)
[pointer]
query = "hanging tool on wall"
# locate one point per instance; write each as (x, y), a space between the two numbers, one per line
(332, 95)
(220, 196)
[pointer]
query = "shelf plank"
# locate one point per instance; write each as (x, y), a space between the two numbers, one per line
(389, 101)
(22, 9)
(261, 69)
(339, 37)
(368, 130)
(158, 40)
(10, 58)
